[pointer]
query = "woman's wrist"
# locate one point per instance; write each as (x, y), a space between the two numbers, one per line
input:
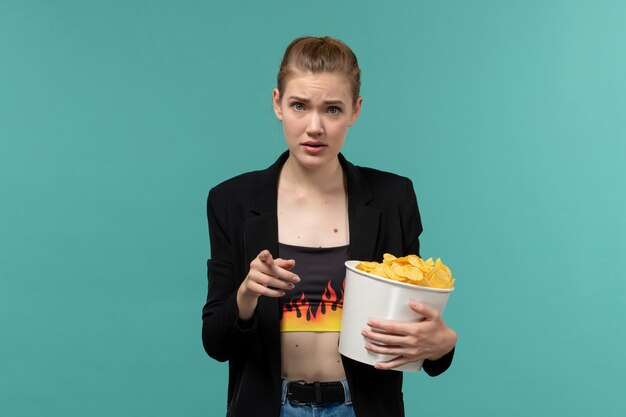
(246, 303)
(448, 343)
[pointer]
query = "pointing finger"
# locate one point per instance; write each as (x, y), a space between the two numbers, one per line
(265, 256)
(285, 263)
(278, 267)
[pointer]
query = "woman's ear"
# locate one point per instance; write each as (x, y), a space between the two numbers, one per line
(276, 103)
(356, 110)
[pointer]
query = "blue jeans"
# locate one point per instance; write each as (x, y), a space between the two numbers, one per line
(312, 410)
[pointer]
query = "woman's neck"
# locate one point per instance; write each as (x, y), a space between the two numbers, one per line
(323, 179)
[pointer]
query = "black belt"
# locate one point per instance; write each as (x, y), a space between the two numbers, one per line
(315, 392)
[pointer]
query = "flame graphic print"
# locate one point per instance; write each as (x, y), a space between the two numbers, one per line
(300, 314)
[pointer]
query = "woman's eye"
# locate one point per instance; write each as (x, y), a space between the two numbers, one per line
(298, 106)
(334, 110)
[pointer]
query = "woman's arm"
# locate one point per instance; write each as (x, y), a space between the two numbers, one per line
(431, 339)
(229, 315)
(222, 334)
(412, 221)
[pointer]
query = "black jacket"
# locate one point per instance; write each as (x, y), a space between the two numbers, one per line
(383, 217)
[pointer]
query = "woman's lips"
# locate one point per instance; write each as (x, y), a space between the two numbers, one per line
(313, 147)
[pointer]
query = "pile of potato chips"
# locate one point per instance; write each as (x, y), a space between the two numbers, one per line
(411, 269)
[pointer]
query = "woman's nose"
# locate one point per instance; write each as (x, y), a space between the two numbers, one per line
(315, 127)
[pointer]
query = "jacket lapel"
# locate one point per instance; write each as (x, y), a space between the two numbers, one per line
(364, 220)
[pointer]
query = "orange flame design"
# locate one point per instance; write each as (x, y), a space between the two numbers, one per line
(300, 315)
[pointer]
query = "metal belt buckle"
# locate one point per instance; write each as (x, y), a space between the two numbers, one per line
(289, 392)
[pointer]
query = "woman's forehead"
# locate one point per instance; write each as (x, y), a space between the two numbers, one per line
(329, 85)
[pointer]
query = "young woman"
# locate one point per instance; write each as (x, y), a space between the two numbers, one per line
(279, 240)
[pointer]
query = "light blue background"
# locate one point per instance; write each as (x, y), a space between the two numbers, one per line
(116, 117)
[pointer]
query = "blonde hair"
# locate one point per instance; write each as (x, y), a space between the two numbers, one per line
(317, 55)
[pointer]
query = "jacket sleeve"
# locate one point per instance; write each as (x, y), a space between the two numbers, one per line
(411, 221)
(412, 226)
(223, 334)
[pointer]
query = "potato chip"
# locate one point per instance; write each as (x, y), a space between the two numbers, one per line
(415, 274)
(411, 269)
(389, 273)
(414, 260)
(367, 266)
(387, 257)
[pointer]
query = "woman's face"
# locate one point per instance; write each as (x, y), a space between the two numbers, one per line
(316, 111)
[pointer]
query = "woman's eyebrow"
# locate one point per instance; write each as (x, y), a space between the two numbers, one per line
(334, 102)
(306, 100)
(298, 98)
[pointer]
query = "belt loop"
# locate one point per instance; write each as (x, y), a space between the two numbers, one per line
(346, 391)
(283, 393)
(318, 392)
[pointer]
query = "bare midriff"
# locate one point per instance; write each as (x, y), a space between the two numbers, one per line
(311, 356)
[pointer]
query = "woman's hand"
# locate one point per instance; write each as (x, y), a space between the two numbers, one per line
(267, 276)
(409, 342)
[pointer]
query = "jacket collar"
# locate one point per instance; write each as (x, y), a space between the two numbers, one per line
(358, 189)
(266, 200)
(363, 219)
